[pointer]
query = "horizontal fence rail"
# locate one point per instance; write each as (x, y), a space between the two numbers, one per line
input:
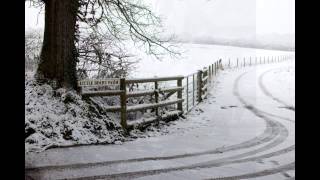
(190, 90)
(123, 108)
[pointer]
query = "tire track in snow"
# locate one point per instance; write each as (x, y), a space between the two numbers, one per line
(258, 112)
(290, 166)
(213, 163)
(292, 178)
(271, 131)
(137, 174)
(273, 115)
(267, 93)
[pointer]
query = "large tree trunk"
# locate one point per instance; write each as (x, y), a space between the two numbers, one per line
(58, 55)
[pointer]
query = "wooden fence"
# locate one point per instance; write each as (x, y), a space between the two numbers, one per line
(196, 89)
(123, 108)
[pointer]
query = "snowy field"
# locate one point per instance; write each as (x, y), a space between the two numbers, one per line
(244, 129)
(195, 57)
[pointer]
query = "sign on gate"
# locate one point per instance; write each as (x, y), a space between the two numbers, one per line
(104, 82)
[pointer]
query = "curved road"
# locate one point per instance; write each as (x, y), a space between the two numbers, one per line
(241, 131)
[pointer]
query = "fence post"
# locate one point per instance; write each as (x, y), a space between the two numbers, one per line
(123, 103)
(212, 69)
(156, 95)
(229, 62)
(210, 75)
(250, 60)
(237, 62)
(179, 84)
(244, 62)
(187, 93)
(264, 59)
(217, 68)
(260, 59)
(256, 60)
(199, 79)
(193, 86)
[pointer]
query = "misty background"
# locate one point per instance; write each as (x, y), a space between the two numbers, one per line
(268, 24)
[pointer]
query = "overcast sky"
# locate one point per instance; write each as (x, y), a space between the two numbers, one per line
(217, 18)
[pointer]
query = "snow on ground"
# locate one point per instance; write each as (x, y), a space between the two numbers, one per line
(195, 57)
(239, 131)
(283, 78)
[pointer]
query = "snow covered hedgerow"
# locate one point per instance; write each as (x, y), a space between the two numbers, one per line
(63, 118)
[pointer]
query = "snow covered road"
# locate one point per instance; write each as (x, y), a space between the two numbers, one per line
(245, 129)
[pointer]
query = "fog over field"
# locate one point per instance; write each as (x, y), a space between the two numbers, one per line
(249, 23)
(261, 23)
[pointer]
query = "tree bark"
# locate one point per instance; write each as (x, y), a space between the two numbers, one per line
(58, 54)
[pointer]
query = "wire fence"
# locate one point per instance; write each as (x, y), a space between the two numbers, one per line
(191, 82)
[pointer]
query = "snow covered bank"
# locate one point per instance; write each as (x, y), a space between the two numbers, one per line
(60, 118)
